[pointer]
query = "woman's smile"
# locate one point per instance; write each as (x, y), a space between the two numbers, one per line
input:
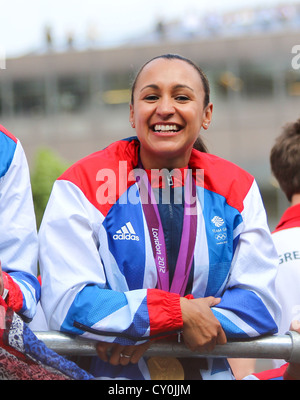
(168, 129)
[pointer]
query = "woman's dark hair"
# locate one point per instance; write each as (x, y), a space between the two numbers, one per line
(285, 159)
(199, 145)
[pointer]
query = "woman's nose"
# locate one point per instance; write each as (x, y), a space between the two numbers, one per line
(165, 107)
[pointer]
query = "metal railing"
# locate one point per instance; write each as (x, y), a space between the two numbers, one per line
(285, 347)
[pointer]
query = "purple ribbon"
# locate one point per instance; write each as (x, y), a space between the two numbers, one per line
(188, 237)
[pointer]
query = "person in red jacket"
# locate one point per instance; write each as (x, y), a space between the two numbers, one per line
(285, 165)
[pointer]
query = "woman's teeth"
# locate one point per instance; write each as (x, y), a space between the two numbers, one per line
(166, 128)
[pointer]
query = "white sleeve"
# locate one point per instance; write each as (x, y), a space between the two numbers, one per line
(249, 305)
(19, 244)
(76, 295)
(257, 255)
(68, 264)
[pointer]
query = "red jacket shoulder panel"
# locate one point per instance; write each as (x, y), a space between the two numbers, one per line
(223, 177)
(7, 133)
(102, 176)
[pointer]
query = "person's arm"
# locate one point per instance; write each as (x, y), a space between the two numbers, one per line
(248, 306)
(78, 298)
(201, 331)
(18, 235)
(76, 295)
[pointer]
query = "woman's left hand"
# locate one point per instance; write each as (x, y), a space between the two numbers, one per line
(119, 354)
(201, 329)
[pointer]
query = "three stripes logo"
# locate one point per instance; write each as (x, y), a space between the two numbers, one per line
(126, 233)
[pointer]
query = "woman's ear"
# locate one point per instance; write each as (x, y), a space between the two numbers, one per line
(207, 115)
(131, 116)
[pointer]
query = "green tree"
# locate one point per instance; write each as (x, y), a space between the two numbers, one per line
(48, 166)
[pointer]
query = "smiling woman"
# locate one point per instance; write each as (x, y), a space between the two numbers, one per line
(125, 273)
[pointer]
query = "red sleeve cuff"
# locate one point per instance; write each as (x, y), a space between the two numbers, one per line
(164, 311)
(14, 298)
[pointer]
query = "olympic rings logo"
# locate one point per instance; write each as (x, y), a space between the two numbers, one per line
(221, 236)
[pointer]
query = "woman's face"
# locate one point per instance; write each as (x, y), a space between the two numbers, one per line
(168, 112)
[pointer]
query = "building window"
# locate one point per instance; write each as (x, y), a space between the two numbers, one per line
(73, 93)
(116, 89)
(256, 82)
(292, 83)
(227, 82)
(29, 97)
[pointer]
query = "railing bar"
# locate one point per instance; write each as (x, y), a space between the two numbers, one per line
(271, 347)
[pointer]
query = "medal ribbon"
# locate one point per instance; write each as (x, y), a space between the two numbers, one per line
(188, 237)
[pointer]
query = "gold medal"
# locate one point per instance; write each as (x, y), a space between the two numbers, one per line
(165, 368)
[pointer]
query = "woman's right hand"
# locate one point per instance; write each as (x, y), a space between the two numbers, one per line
(201, 329)
(117, 354)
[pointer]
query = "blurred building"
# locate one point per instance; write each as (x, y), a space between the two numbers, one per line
(77, 102)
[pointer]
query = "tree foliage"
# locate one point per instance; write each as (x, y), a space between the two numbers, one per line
(48, 166)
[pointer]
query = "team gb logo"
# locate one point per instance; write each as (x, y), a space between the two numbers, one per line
(218, 221)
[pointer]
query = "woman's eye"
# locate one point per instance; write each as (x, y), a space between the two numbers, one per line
(182, 98)
(151, 97)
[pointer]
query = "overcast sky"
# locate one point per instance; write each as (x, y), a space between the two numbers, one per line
(22, 22)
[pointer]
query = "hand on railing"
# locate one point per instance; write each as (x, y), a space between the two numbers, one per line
(117, 354)
(201, 329)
